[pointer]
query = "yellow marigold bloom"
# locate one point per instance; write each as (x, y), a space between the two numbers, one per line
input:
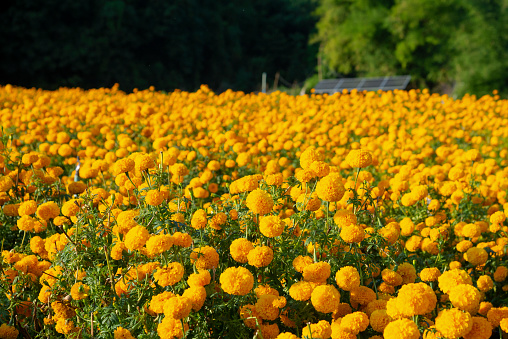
(260, 256)
(391, 277)
(265, 289)
(321, 168)
(345, 218)
(430, 274)
(476, 256)
(401, 329)
(122, 333)
(271, 226)
(362, 295)
(239, 249)
(485, 307)
(178, 307)
(197, 295)
(6, 183)
(379, 319)
(288, 335)
(390, 233)
(265, 308)
(143, 162)
(498, 217)
(80, 291)
(322, 330)
(27, 223)
(347, 278)
(305, 175)
(202, 278)
(250, 316)
(136, 238)
(472, 155)
(352, 234)
(71, 208)
(407, 272)
(338, 333)
(259, 202)
(170, 328)
(48, 210)
(308, 157)
(169, 274)
(179, 170)
(325, 298)
(454, 323)
(406, 227)
(503, 324)
(452, 278)
(28, 207)
(300, 262)
(301, 290)
(318, 272)
(205, 257)
(359, 158)
(76, 187)
(155, 197)
(485, 283)
(416, 299)
(237, 280)
(308, 203)
(157, 302)
(117, 250)
(269, 331)
(158, 244)
(199, 219)
(64, 326)
(414, 243)
(124, 165)
(496, 314)
(182, 239)
(482, 329)
(330, 188)
(355, 322)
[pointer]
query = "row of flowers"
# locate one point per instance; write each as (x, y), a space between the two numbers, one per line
(147, 215)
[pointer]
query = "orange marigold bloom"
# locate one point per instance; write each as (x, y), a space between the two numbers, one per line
(454, 323)
(239, 249)
(260, 256)
(330, 188)
(359, 158)
(237, 280)
(325, 298)
(347, 278)
(401, 329)
(205, 257)
(259, 202)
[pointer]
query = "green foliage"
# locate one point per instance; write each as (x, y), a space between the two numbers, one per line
(450, 42)
(167, 44)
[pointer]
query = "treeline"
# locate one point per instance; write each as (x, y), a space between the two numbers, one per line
(454, 46)
(458, 46)
(167, 44)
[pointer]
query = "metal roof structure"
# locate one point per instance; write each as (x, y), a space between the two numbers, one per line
(388, 83)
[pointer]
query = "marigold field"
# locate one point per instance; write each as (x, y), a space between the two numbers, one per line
(198, 215)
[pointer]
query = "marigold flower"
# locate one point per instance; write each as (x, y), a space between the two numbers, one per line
(485, 283)
(325, 298)
(199, 219)
(157, 302)
(355, 322)
(265, 307)
(308, 157)
(182, 239)
(347, 278)
(301, 290)
(155, 197)
(48, 210)
(330, 188)
(352, 234)
(476, 256)
(322, 329)
(28, 207)
(482, 329)
(379, 319)
(362, 295)
(454, 323)
(169, 328)
(430, 274)
(250, 316)
(452, 278)
(237, 280)
(124, 165)
(401, 329)
(169, 274)
(300, 262)
(260, 256)
(205, 257)
(271, 226)
(359, 158)
(122, 333)
(136, 238)
(6, 183)
(197, 295)
(269, 331)
(158, 244)
(416, 299)
(178, 307)
(496, 314)
(344, 218)
(318, 272)
(80, 291)
(391, 277)
(259, 202)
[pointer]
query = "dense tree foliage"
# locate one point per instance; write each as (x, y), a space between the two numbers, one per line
(460, 43)
(168, 44)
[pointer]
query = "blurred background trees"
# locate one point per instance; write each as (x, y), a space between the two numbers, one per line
(453, 46)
